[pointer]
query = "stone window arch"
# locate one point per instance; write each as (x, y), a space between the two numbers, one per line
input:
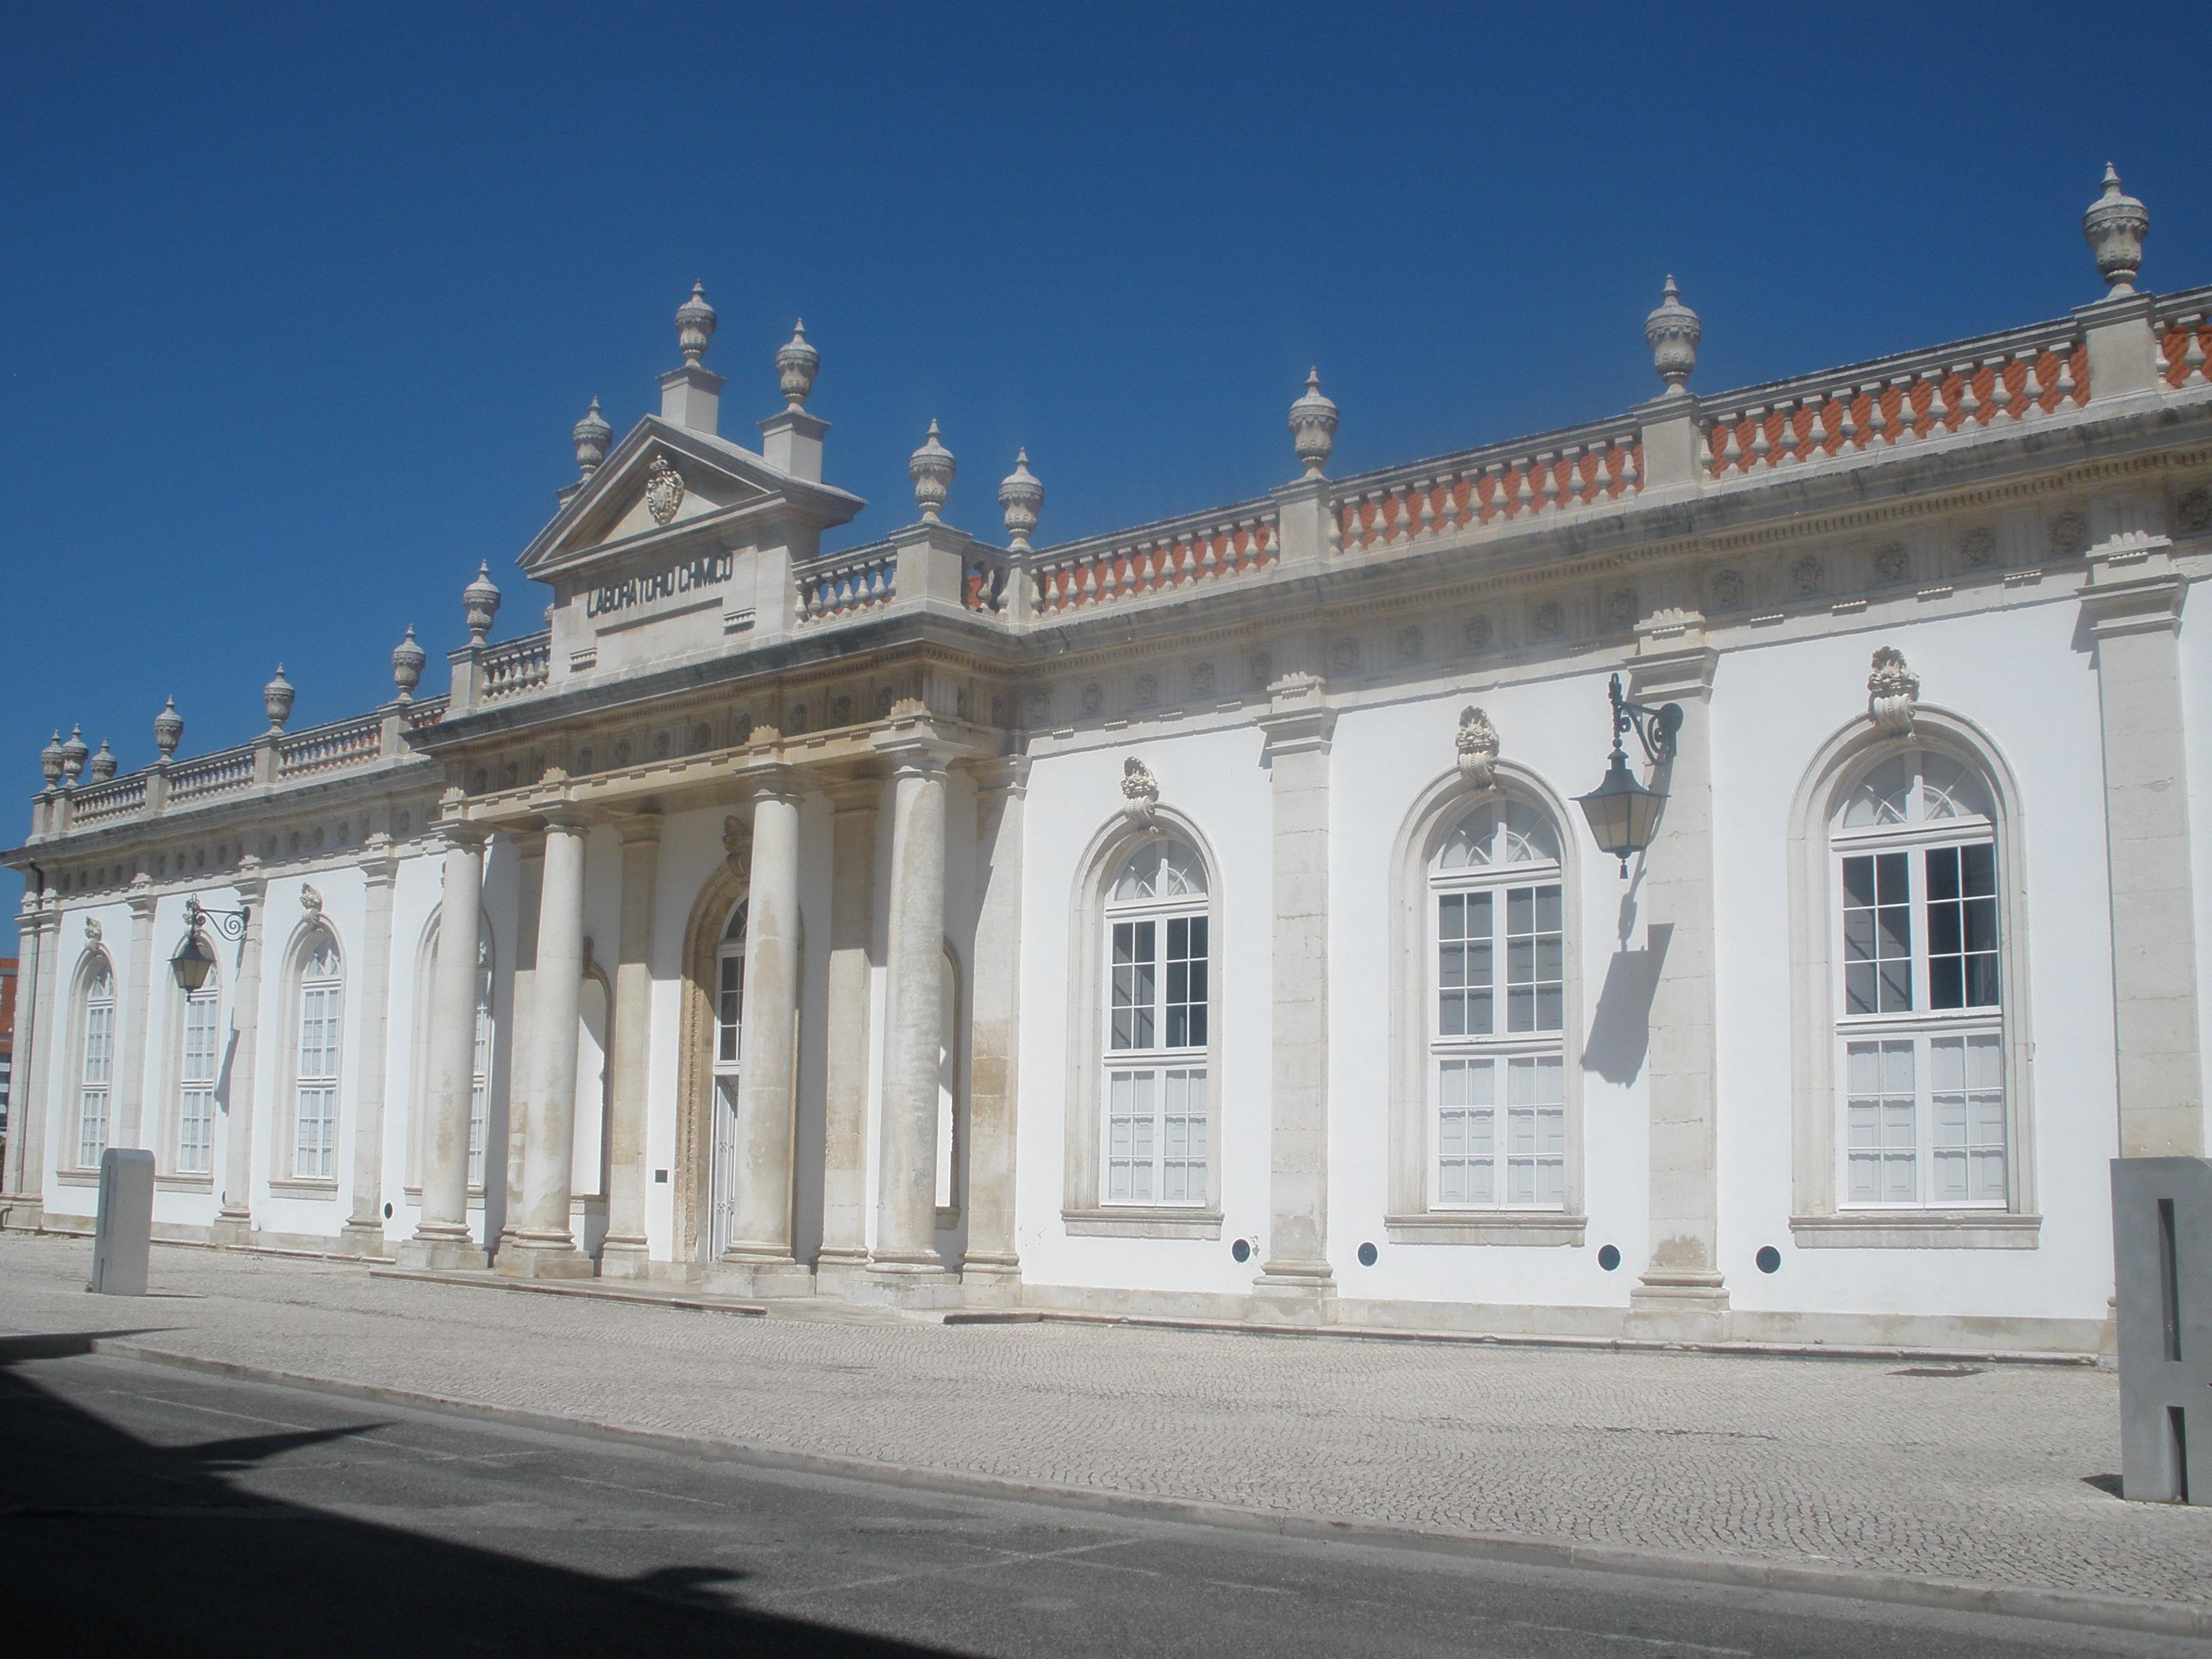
(703, 1076)
(1912, 1095)
(92, 1053)
(313, 1059)
(1485, 1096)
(1144, 1150)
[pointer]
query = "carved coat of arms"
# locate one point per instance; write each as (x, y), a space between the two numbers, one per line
(664, 490)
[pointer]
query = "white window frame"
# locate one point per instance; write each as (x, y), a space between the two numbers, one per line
(1525, 1069)
(1160, 1157)
(480, 1058)
(198, 1071)
(726, 1018)
(318, 1015)
(95, 1064)
(1897, 1143)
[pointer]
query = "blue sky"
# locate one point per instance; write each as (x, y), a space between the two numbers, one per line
(300, 302)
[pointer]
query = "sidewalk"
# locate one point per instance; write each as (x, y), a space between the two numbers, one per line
(1981, 1477)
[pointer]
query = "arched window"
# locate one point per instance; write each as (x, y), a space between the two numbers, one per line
(96, 1064)
(1919, 988)
(729, 1015)
(480, 1063)
(197, 1059)
(315, 1074)
(1158, 1006)
(1497, 1014)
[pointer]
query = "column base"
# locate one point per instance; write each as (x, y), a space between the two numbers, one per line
(906, 1282)
(837, 1269)
(1293, 1293)
(529, 1255)
(22, 1215)
(991, 1281)
(762, 1276)
(441, 1250)
(1679, 1305)
(359, 1237)
(232, 1230)
(625, 1258)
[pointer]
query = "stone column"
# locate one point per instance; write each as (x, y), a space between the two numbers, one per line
(992, 1271)
(441, 1239)
(768, 1058)
(542, 1244)
(1295, 1283)
(2133, 607)
(852, 931)
(138, 1005)
(363, 1233)
(21, 1203)
(625, 1253)
(233, 1222)
(522, 985)
(1682, 1292)
(905, 1267)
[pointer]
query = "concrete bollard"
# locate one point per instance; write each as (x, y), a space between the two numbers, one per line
(2162, 1268)
(123, 1236)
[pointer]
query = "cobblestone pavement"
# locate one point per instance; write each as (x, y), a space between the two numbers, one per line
(1997, 1475)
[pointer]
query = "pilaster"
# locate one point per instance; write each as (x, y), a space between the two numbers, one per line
(2132, 606)
(363, 1233)
(625, 1253)
(137, 1001)
(1295, 1282)
(1682, 1291)
(22, 1202)
(233, 1221)
(991, 1270)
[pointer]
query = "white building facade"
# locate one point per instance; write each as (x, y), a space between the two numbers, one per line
(1199, 922)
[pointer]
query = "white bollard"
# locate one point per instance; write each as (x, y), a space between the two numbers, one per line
(124, 1235)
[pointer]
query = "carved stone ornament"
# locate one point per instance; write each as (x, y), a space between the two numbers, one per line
(168, 729)
(2115, 227)
(1477, 745)
(1672, 331)
(50, 760)
(1020, 498)
(737, 843)
(695, 325)
(1140, 791)
(103, 763)
(311, 898)
(480, 603)
(591, 435)
(1313, 426)
(2069, 535)
(931, 468)
(1890, 562)
(92, 930)
(797, 363)
(1977, 547)
(276, 699)
(75, 754)
(664, 490)
(1892, 690)
(407, 659)
(2194, 511)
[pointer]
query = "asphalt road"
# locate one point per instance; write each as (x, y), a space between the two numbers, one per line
(150, 1509)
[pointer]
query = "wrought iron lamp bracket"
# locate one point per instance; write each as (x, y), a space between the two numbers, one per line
(230, 924)
(1654, 724)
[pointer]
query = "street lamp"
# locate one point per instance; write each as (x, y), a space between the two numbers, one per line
(1623, 814)
(193, 962)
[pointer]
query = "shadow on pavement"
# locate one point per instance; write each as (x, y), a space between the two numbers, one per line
(114, 1545)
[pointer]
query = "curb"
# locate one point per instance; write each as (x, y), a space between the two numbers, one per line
(2015, 1602)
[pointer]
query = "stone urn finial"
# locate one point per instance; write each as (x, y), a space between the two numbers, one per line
(1021, 497)
(1892, 690)
(103, 763)
(797, 363)
(1313, 426)
(50, 760)
(75, 754)
(592, 435)
(407, 660)
(694, 325)
(2115, 227)
(276, 698)
(480, 601)
(931, 468)
(1140, 791)
(1476, 745)
(168, 729)
(1672, 331)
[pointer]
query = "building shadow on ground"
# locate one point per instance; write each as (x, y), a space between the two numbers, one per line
(110, 1544)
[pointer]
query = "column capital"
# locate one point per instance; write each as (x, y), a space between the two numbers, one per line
(142, 897)
(562, 817)
(918, 757)
(1684, 673)
(2133, 604)
(378, 859)
(642, 828)
(855, 795)
(773, 780)
(250, 880)
(1001, 775)
(1299, 716)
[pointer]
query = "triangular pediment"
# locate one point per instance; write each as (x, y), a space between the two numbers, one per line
(667, 482)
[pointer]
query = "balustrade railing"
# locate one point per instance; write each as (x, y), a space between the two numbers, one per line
(844, 584)
(115, 798)
(218, 774)
(1581, 468)
(1168, 556)
(2184, 333)
(517, 667)
(327, 748)
(1981, 383)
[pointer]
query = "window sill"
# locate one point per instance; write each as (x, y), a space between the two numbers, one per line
(1142, 1221)
(302, 1186)
(1917, 1230)
(1544, 1227)
(76, 1178)
(184, 1183)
